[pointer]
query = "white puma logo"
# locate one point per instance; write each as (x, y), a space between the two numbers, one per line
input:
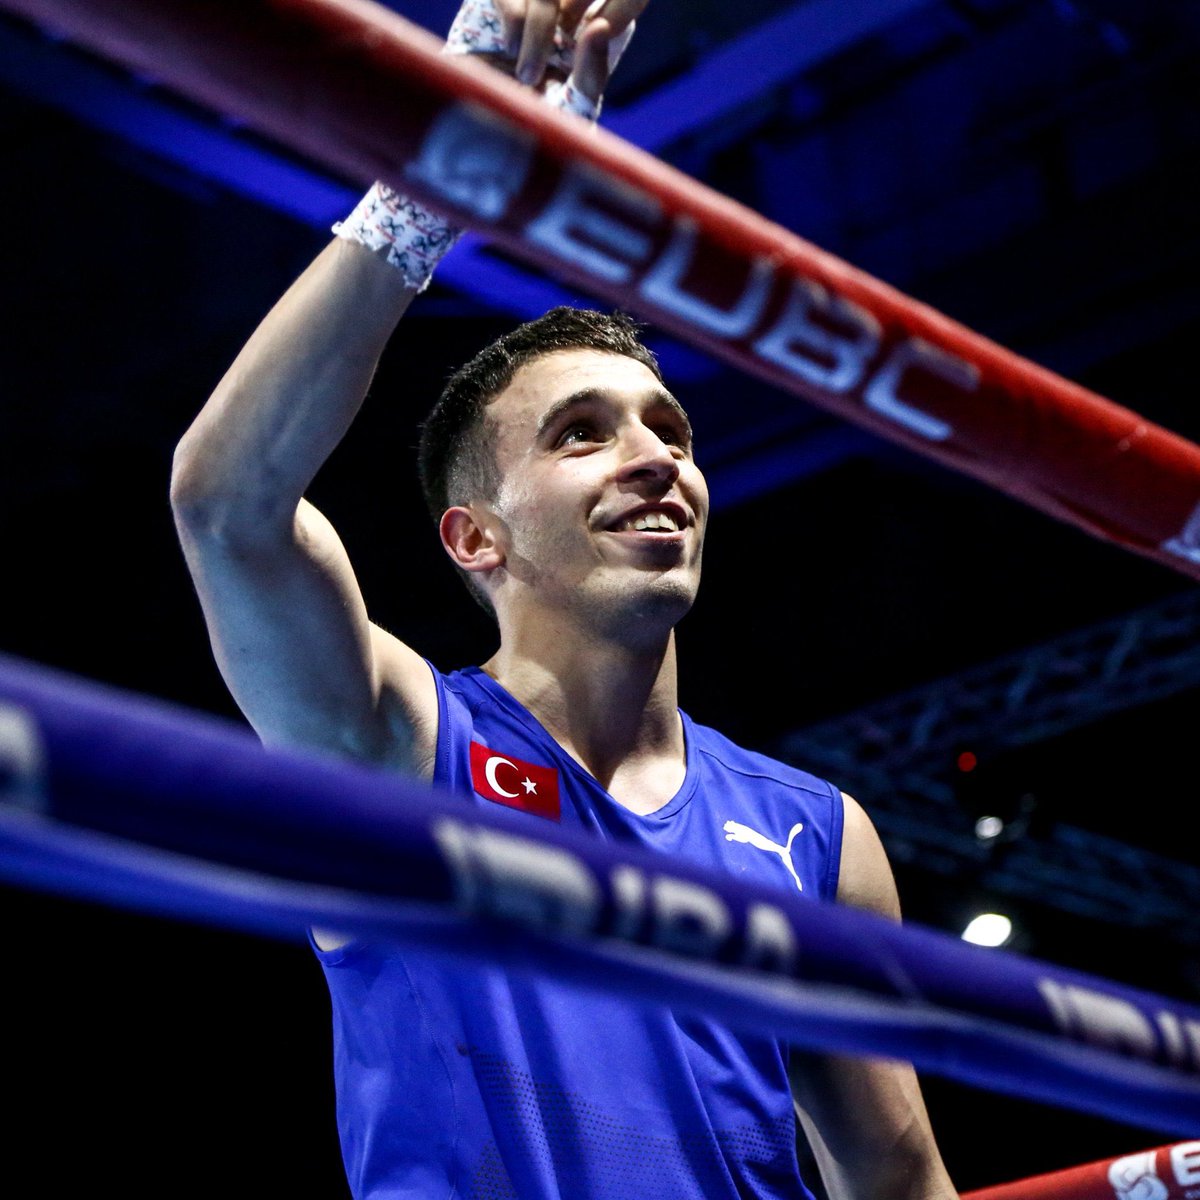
(735, 831)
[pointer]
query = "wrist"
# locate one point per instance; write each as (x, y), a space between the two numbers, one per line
(568, 97)
(403, 232)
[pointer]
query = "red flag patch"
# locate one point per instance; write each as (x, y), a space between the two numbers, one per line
(514, 782)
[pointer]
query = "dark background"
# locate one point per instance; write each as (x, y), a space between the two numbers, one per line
(1026, 167)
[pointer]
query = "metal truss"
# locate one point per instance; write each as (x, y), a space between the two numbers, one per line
(894, 756)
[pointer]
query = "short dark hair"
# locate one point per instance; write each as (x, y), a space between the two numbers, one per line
(455, 458)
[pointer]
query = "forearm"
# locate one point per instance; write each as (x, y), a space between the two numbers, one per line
(865, 1117)
(906, 1169)
(867, 1125)
(295, 388)
(290, 395)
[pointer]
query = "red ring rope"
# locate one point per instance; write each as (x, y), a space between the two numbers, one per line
(363, 92)
(1166, 1173)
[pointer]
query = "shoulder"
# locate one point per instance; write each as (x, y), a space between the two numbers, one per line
(771, 804)
(719, 752)
(865, 879)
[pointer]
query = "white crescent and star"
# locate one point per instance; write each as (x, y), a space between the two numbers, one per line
(489, 773)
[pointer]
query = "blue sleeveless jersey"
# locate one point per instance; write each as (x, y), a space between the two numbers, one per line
(490, 1084)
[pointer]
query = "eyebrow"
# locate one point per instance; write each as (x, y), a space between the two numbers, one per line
(594, 395)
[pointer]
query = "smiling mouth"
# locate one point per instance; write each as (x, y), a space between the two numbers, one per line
(649, 522)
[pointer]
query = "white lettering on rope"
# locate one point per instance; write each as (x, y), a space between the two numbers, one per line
(1181, 1038)
(663, 285)
(629, 894)
(1116, 1024)
(1187, 543)
(22, 760)
(688, 918)
(770, 942)
(593, 223)
(883, 392)
(1185, 1162)
(621, 235)
(474, 159)
(515, 878)
(550, 889)
(823, 339)
(1134, 1177)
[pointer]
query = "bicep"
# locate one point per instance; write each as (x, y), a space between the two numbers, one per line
(865, 1117)
(290, 634)
(865, 876)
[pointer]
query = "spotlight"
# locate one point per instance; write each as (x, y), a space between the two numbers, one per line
(988, 828)
(988, 929)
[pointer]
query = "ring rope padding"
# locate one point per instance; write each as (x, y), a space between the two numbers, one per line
(127, 801)
(359, 90)
(1170, 1172)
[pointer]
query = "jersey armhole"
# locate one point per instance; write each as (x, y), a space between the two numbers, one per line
(333, 958)
(339, 954)
(837, 820)
(443, 737)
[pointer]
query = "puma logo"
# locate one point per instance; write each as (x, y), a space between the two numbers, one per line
(735, 831)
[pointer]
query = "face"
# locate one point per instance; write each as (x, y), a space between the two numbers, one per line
(602, 508)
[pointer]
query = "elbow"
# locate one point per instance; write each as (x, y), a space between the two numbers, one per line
(199, 496)
(216, 505)
(187, 480)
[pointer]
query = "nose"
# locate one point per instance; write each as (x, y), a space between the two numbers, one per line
(645, 456)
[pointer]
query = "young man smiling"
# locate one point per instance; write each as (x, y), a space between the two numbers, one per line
(559, 468)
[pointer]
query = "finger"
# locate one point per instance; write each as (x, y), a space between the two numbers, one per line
(512, 18)
(591, 58)
(601, 41)
(620, 14)
(537, 40)
(570, 13)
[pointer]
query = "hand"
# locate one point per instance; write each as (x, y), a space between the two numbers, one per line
(598, 29)
(600, 39)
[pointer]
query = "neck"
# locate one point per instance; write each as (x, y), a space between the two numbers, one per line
(608, 704)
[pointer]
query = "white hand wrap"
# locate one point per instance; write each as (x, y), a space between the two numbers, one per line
(411, 237)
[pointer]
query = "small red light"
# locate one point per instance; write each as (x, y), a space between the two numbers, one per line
(967, 761)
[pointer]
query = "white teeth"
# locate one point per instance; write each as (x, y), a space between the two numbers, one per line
(653, 520)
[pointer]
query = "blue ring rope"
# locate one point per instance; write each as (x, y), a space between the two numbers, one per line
(127, 801)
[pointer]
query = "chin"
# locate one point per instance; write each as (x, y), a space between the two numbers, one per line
(643, 612)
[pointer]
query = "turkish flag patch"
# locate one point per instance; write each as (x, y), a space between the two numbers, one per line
(514, 782)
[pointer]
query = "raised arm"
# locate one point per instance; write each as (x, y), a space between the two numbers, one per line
(288, 625)
(285, 615)
(865, 1118)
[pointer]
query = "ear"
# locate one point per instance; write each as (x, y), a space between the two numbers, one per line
(471, 538)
